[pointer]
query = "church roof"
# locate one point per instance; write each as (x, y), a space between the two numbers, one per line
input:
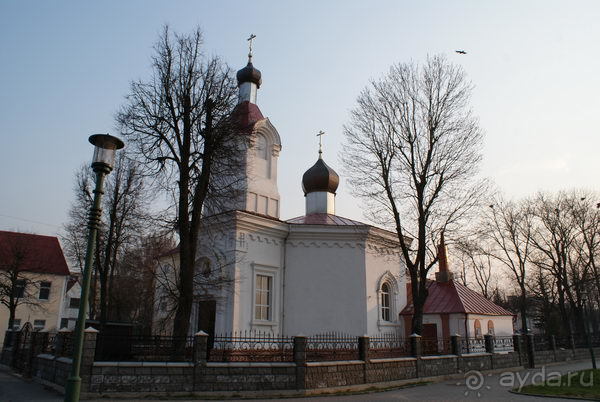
(324, 219)
(320, 177)
(454, 297)
(247, 114)
(249, 74)
(41, 254)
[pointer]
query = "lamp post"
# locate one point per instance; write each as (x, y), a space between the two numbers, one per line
(105, 147)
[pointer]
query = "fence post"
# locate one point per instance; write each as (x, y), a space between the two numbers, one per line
(489, 343)
(200, 348)
(300, 360)
(300, 349)
(416, 347)
(90, 340)
(530, 346)
(572, 343)
(456, 346)
(363, 347)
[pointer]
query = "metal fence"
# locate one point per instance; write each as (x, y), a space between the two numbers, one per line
(144, 348)
(436, 346)
(388, 345)
(251, 346)
(472, 345)
(504, 344)
(332, 346)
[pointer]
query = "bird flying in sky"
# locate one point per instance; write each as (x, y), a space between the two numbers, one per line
(460, 52)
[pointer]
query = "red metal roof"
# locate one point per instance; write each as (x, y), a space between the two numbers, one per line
(454, 297)
(247, 114)
(324, 219)
(39, 253)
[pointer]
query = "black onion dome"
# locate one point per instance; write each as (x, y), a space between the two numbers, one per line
(249, 74)
(320, 177)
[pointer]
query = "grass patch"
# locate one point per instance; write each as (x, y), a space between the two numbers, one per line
(582, 384)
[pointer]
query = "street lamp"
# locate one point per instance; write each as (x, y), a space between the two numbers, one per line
(105, 147)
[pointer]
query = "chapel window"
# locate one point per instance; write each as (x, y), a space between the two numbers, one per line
(385, 302)
(477, 325)
(263, 298)
(491, 327)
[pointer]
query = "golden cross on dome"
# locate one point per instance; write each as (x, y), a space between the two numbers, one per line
(250, 39)
(320, 135)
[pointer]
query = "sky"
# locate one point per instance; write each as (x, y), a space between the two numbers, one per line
(65, 67)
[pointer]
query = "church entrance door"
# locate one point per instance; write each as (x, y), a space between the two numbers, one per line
(207, 312)
(429, 339)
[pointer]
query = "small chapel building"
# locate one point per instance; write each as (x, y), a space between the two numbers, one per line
(452, 308)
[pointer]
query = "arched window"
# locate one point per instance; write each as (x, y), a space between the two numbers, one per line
(385, 301)
(477, 329)
(261, 147)
(491, 327)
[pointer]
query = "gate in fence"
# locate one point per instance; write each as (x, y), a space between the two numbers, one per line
(22, 356)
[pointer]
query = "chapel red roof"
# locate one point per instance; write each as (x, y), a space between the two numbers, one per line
(41, 254)
(324, 219)
(454, 297)
(247, 114)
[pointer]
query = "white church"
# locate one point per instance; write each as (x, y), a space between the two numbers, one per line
(312, 274)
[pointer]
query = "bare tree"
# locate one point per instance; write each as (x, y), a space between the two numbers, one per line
(19, 284)
(509, 228)
(477, 261)
(412, 151)
(123, 223)
(568, 243)
(179, 123)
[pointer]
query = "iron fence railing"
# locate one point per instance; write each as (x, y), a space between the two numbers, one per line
(332, 346)
(541, 342)
(251, 346)
(472, 345)
(144, 348)
(436, 346)
(388, 345)
(503, 344)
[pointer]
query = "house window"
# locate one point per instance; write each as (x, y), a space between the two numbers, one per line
(64, 322)
(20, 288)
(385, 302)
(262, 298)
(39, 325)
(491, 327)
(477, 329)
(16, 324)
(44, 290)
(74, 302)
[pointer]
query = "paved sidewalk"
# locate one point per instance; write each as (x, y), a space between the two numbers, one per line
(16, 389)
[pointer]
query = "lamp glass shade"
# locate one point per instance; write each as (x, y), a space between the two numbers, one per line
(105, 147)
(104, 155)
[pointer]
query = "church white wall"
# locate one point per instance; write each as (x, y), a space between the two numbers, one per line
(382, 266)
(260, 254)
(325, 286)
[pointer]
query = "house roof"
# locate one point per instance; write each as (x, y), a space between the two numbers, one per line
(454, 297)
(41, 254)
(324, 219)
